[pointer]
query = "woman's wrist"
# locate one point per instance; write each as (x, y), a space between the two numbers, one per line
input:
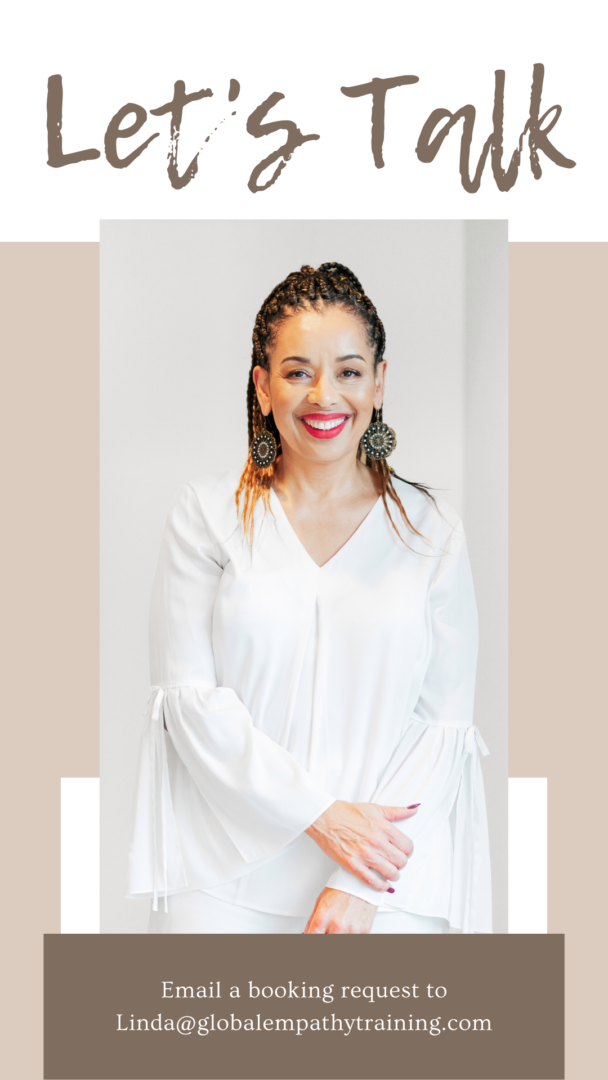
(368, 904)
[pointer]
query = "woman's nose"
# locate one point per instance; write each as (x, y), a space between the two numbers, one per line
(322, 392)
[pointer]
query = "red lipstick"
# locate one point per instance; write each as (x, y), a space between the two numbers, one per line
(333, 424)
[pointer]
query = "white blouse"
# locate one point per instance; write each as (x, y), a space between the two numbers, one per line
(285, 686)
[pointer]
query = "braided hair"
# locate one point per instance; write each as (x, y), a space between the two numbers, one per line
(304, 289)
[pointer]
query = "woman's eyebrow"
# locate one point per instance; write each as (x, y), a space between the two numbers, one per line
(339, 359)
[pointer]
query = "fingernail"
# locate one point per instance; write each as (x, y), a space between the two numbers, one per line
(413, 806)
(390, 890)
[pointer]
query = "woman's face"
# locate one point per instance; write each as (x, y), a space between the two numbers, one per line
(321, 387)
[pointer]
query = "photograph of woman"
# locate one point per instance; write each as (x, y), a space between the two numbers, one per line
(310, 761)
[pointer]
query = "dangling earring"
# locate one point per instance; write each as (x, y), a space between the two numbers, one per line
(379, 440)
(264, 447)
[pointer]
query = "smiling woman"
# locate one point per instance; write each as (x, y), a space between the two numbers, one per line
(310, 762)
(321, 401)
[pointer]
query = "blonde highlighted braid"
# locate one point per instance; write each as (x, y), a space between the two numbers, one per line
(306, 288)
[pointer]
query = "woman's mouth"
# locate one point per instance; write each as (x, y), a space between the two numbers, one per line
(325, 425)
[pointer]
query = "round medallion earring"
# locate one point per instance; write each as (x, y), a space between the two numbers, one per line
(264, 448)
(379, 440)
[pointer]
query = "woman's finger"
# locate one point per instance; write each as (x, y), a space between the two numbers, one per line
(369, 876)
(402, 843)
(381, 847)
(399, 839)
(398, 813)
(382, 864)
(397, 856)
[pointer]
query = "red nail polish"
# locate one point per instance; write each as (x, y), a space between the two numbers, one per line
(390, 890)
(413, 806)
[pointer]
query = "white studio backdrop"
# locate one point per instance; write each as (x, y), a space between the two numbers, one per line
(178, 304)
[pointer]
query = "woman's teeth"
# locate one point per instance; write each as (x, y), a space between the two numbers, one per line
(326, 425)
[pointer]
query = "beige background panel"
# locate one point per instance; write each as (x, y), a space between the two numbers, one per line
(50, 598)
(557, 602)
(50, 648)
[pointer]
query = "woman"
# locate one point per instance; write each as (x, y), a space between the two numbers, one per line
(310, 762)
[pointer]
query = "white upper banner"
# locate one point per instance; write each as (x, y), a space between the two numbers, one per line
(316, 110)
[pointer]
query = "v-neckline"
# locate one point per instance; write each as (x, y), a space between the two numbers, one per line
(292, 532)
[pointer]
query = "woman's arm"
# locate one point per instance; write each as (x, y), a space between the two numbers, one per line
(431, 762)
(255, 792)
(361, 838)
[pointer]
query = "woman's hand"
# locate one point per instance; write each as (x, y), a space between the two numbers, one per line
(337, 912)
(361, 838)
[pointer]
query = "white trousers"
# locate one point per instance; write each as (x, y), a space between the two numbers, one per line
(197, 912)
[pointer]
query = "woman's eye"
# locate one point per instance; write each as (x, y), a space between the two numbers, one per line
(299, 373)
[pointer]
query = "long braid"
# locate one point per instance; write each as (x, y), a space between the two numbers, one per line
(332, 283)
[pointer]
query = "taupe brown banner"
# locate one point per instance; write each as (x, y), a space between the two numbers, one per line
(237, 1006)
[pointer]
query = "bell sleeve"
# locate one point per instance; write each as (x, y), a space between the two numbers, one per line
(436, 763)
(244, 796)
